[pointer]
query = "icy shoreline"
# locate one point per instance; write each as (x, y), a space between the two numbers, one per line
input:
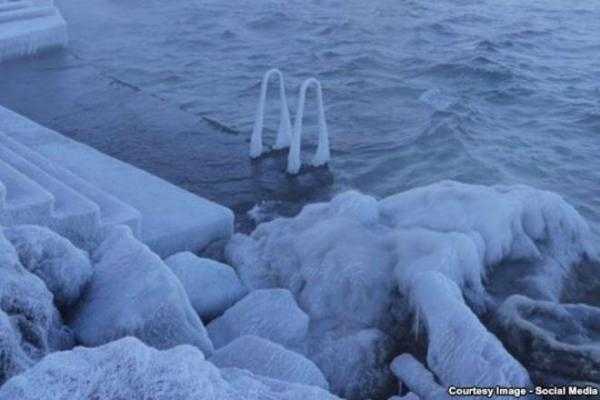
(359, 297)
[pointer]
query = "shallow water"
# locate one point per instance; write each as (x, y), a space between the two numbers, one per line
(479, 91)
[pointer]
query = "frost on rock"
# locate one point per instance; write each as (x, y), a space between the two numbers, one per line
(412, 374)
(30, 325)
(128, 369)
(211, 286)
(270, 313)
(357, 365)
(65, 269)
(553, 339)
(262, 357)
(133, 293)
(356, 263)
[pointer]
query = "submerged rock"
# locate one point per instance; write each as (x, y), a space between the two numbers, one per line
(65, 269)
(133, 293)
(211, 286)
(268, 313)
(561, 340)
(262, 357)
(128, 369)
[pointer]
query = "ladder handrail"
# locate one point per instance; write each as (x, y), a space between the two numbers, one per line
(322, 155)
(284, 132)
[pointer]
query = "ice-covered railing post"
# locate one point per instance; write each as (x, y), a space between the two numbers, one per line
(284, 132)
(322, 155)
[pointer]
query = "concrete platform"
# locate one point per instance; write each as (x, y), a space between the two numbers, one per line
(172, 219)
(29, 27)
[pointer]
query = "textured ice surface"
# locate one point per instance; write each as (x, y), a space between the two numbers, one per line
(356, 263)
(211, 286)
(553, 339)
(412, 374)
(271, 314)
(65, 269)
(128, 369)
(134, 293)
(30, 325)
(262, 357)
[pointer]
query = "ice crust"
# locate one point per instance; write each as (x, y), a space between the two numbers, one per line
(355, 263)
(128, 369)
(133, 293)
(211, 286)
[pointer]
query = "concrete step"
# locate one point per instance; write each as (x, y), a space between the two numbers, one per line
(27, 13)
(14, 5)
(173, 219)
(25, 201)
(73, 215)
(74, 196)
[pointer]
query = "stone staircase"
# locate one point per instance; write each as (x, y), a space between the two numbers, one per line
(30, 26)
(50, 180)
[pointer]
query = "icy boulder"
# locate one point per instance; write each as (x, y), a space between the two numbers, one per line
(355, 264)
(65, 269)
(30, 325)
(555, 339)
(128, 369)
(13, 360)
(356, 365)
(461, 351)
(268, 313)
(262, 357)
(133, 293)
(412, 374)
(212, 287)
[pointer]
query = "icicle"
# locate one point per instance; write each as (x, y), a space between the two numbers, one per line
(284, 132)
(322, 155)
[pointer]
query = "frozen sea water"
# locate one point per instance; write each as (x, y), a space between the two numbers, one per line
(481, 92)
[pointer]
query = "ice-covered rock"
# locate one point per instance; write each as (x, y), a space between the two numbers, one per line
(356, 365)
(128, 369)
(554, 339)
(461, 351)
(133, 293)
(211, 286)
(262, 357)
(65, 269)
(30, 324)
(412, 374)
(268, 313)
(356, 263)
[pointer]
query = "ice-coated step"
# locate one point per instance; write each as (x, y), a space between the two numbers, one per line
(173, 219)
(25, 13)
(72, 215)
(112, 211)
(25, 201)
(30, 30)
(14, 5)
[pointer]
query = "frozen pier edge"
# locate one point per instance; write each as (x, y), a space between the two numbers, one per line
(30, 26)
(48, 179)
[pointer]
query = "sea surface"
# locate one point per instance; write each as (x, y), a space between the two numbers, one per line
(488, 92)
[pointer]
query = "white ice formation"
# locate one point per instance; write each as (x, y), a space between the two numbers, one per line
(128, 369)
(284, 132)
(286, 135)
(322, 154)
(133, 293)
(211, 286)
(356, 263)
(30, 26)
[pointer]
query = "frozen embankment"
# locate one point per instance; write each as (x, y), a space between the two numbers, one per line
(356, 298)
(30, 26)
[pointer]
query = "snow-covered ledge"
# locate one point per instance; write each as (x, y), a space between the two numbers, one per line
(30, 26)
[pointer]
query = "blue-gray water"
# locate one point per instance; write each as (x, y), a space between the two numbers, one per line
(479, 91)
